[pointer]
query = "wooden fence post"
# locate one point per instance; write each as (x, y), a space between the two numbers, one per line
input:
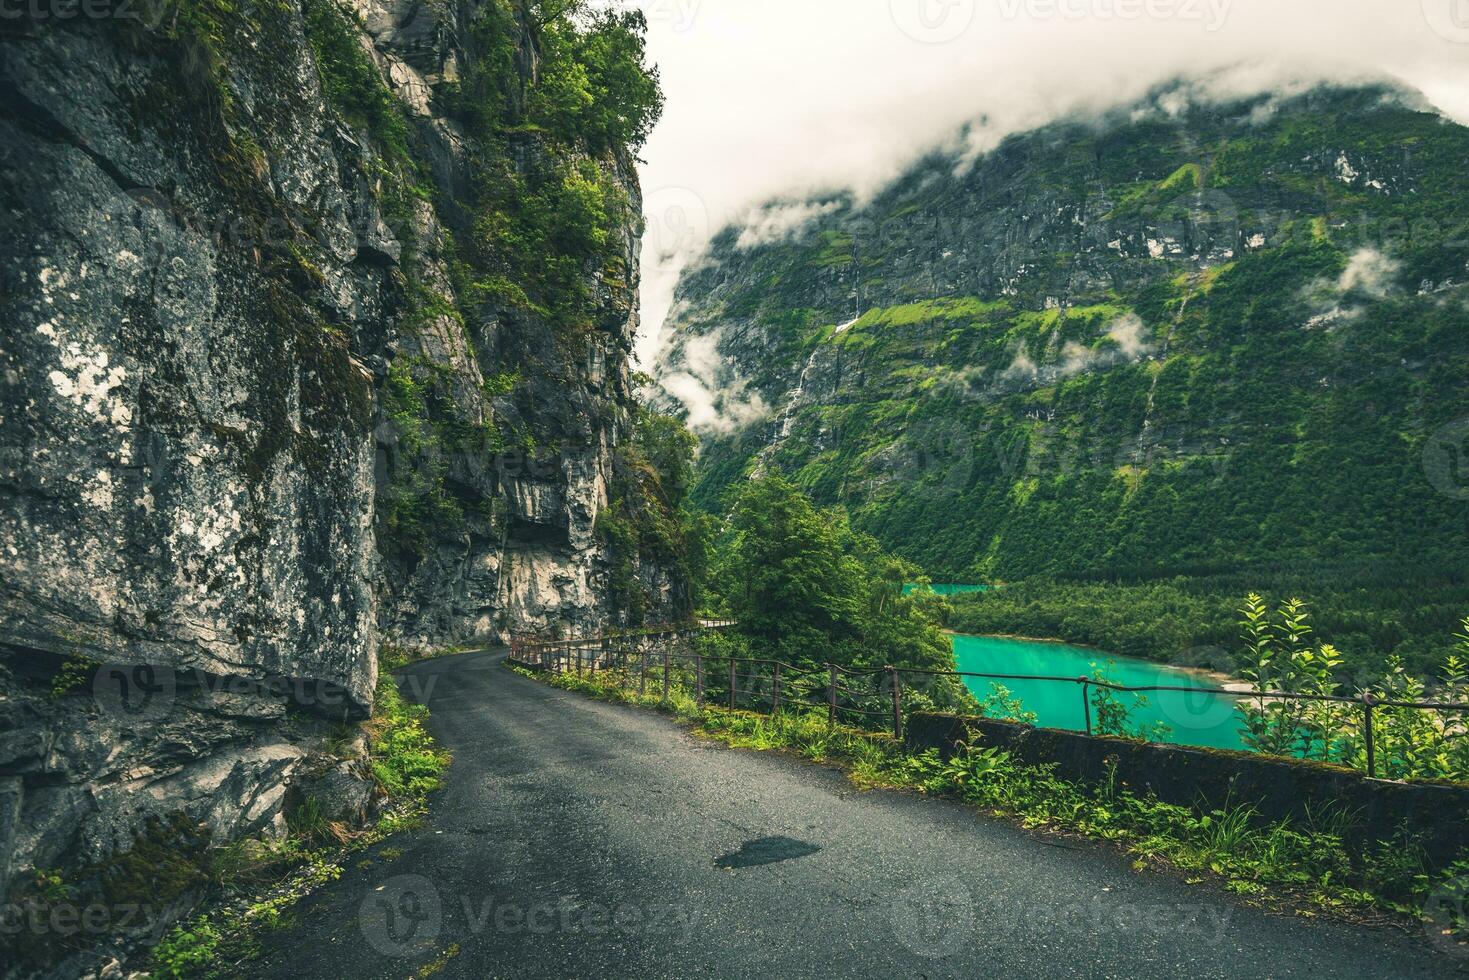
(733, 703)
(897, 704)
(698, 678)
(775, 691)
(831, 696)
(642, 672)
(665, 674)
(1086, 703)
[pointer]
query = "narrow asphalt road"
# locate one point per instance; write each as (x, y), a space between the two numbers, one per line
(580, 839)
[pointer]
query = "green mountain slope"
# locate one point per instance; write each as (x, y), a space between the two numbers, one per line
(1177, 341)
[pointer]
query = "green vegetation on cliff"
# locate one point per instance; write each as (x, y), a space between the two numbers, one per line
(648, 516)
(523, 276)
(556, 100)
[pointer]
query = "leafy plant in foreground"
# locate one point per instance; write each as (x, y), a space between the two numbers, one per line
(1111, 716)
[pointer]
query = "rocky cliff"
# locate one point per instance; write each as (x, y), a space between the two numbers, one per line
(316, 327)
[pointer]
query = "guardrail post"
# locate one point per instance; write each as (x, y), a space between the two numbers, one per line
(831, 695)
(897, 704)
(732, 702)
(698, 678)
(665, 674)
(1368, 701)
(775, 691)
(1086, 702)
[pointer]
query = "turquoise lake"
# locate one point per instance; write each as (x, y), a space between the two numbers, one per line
(947, 589)
(1193, 719)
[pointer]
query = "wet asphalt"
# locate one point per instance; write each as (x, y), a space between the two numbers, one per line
(579, 839)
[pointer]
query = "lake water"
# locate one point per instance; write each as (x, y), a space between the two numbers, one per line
(1193, 719)
(950, 589)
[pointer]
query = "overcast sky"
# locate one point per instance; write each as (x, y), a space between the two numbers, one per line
(772, 98)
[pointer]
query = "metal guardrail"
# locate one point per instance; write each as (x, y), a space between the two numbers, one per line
(781, 682)
(538, 653)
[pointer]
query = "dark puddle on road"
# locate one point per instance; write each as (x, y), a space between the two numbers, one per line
(766, 850)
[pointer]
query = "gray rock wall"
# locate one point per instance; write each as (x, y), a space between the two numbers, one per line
(205, 285)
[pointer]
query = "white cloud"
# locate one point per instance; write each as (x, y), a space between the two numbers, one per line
(778, 222)
(714, 400)
(1127, 332)
(788, 99)
(1023, 367)
(1370, 272)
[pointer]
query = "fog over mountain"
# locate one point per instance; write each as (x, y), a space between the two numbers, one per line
(781, 99)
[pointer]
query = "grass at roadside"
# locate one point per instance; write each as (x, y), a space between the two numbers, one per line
(258, 882)
(1304, 866)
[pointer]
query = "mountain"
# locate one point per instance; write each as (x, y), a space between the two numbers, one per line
(1186, 338)
(316, 332)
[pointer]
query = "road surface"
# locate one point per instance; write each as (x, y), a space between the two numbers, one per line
(581, 839)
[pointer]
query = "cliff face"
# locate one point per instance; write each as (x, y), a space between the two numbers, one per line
(1189, 335)
(276, 386)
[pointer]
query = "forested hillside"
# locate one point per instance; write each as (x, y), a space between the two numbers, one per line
(1189, 339)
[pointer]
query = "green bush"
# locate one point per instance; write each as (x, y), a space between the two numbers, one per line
(404, 757)
(187, 951)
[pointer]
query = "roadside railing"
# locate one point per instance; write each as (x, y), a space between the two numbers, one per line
(539, 653)
(857, 696)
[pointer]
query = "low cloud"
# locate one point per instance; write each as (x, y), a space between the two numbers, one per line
(781, 100)
(1127, 333)
(1369, 271)
(1369, 274)
(1023, 368)
(1129, 343)
(715, 401)
(779, 222)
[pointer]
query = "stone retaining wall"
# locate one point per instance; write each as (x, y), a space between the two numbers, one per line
(1437, 814)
